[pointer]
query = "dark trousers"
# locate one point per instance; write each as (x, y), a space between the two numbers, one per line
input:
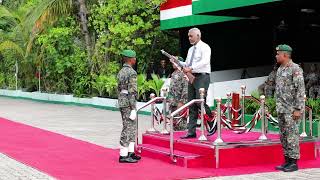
(201, 81)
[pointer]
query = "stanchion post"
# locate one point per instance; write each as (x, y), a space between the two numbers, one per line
(202, 136)
(171, 140)
(152, 129)
(266, 122)
(229, 106)
(263, 118)
(311, 123)
(164, 111)
(304, 134)
(137, 135)
(243, 94)
(219, 139)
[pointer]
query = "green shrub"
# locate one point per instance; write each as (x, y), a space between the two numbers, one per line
(156, 84)
(143, 86)
(111, 86)
(99, 84)
(2, 80)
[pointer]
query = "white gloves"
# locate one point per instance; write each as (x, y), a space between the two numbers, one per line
(133, 115)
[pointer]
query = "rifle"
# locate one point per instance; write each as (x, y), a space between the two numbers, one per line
(189, 76)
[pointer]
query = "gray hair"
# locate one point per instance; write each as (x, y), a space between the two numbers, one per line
(196, 30)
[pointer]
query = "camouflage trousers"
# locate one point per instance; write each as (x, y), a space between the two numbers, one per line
(289, 135)
(129, 127)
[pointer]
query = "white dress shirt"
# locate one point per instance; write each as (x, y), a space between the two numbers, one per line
(201, 58)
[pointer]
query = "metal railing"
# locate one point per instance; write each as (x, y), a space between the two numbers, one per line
(151, 102)
(202, 137)
(219, 139)
(243, 94)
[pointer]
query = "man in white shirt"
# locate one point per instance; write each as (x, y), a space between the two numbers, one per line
(198, 63)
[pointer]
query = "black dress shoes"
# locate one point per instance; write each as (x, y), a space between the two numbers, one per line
(291, 166)
(281, 167)
(134, 156)
(127, 159)
(189, 136)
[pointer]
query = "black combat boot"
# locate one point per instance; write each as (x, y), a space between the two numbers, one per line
(284, 164)
(134, 156)
(127, 159)
(291, 166)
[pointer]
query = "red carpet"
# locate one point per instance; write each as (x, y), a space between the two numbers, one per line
(67, 158)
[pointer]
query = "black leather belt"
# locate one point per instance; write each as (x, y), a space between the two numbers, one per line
(199, 74)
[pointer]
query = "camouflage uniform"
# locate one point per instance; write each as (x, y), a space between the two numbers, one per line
(290, 91)
(268, 87)
(178, 92)
(127, 94)
(270, 84)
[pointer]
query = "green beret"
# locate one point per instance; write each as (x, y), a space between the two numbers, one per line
(129, 53)
(180, 59)
(284, 47)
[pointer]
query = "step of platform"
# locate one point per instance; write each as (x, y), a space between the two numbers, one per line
(179, 144)
(192, 153)
(183, 159)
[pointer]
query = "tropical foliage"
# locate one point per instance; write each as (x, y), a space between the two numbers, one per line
(73, 46)
(251, 106)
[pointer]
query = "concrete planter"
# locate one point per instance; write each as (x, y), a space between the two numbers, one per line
(105, 103)
(85, 101)
(6, 92)
(39, 96)
(97, 101)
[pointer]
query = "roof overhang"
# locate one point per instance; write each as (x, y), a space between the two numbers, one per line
(181, 13)
(206, 6)
(194, 20)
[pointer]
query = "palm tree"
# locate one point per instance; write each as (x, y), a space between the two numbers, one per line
(13, 34)
(49, 11)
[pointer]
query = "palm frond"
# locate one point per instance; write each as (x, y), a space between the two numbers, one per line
(47, 11)
(7, 13)
(10, 45)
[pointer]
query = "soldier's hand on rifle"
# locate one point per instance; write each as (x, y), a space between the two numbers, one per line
(187, 69)
(296, 115)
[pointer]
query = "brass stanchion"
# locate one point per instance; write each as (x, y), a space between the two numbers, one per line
(304, 134)
(243, 94)
(219, 139)
(164, 112)
(229, 107)
(202, 136)
(263, 119)
(152, 129)
(311, 124)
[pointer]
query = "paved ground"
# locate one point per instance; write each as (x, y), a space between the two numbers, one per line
(14, 170)
(97, 126)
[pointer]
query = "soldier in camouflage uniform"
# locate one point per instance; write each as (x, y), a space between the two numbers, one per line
(127, 94)
(178, 96)
(312, 82)
(290, 91)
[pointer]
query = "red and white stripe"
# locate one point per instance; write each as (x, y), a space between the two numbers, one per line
(175, 8)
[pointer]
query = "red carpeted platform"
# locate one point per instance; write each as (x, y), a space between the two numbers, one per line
(238, 150)
(67, 158)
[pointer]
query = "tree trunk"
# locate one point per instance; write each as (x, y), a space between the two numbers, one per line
(84, 24)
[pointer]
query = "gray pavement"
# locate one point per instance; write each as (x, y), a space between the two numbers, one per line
(13, 170)
(93, 125)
